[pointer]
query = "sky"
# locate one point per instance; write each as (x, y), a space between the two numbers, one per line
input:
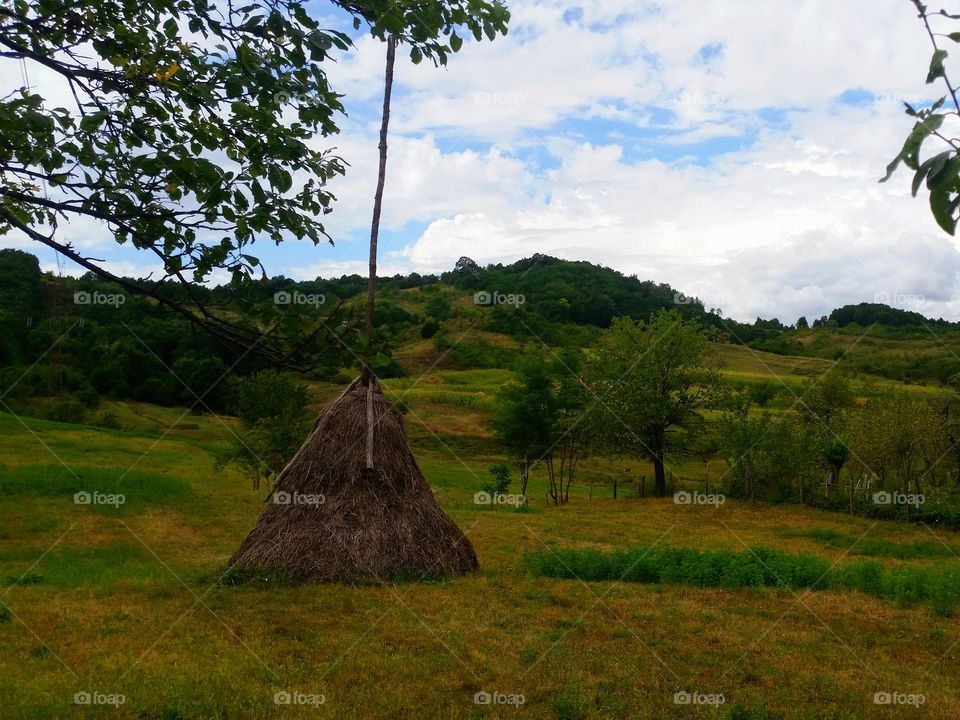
(732, 149)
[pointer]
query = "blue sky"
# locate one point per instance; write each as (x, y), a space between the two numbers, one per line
(731, 149)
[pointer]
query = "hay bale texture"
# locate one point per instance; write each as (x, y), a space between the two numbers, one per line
(331, 518)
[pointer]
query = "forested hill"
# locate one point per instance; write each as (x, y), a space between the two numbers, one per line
(576, 292)
(475, 316)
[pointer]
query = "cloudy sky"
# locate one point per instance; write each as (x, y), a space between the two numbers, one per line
(729, 148)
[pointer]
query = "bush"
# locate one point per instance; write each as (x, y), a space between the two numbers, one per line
(429, 329)
(67, 411)
(501, 480)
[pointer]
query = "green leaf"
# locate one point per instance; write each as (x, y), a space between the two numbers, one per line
(415, 55)
(931, 167)
(936, 66)
(945, 176)
(941, 207)
(910, 153)
(456, 42)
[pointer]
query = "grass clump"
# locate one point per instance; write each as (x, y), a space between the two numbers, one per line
(757, 567)
(875, 547)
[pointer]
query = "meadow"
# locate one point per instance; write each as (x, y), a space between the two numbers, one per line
(604, 608)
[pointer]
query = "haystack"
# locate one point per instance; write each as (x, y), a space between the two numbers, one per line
(342, 512)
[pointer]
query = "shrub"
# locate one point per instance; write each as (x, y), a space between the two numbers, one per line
(758, 567)
(430, 328)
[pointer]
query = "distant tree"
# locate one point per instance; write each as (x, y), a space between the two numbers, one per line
(542, 418)
(466, 266)
(272, 408)
(761, 393)
(802, 323)
(430, 328)
(573, 427)
(900, 440)
(768, 455)
(523, 417)
(439, 306)
(824, 401)
(653, 385)
(501, 479)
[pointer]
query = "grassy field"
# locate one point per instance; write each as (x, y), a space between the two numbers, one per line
(126, 599)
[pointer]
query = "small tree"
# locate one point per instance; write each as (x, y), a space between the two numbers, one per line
(571, 427)
(524, 409)
(541, 418)
(825, 404)
(271, 407)
(501, 480)
(768, 455)
(652, 386)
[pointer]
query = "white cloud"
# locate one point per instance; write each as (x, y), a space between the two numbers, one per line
(542, 142)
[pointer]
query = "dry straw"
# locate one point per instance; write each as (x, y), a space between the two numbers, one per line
(371, 524)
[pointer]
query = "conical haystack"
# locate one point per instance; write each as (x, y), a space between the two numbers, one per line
(332, 518)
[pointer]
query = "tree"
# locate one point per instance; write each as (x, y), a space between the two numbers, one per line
(522, 420)
(768, 455)
(899, 440)
(273, 421)
(652, 385)
(571, 426)
(543, 417)
(825, 403)
(802, 323)
(940, 172)
(500, 482)
(189, 122)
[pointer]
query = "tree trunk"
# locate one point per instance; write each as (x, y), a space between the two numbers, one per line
(378, 206)
(660, 477)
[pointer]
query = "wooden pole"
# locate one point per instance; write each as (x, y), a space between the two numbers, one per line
(368, 378)
(377, 207)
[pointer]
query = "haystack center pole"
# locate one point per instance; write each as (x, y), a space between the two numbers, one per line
(368, 378)
(377, 206)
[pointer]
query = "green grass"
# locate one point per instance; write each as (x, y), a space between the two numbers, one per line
(138, 488)
(90, 594)
(757, 567)
(876, 547)
(75, 566)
